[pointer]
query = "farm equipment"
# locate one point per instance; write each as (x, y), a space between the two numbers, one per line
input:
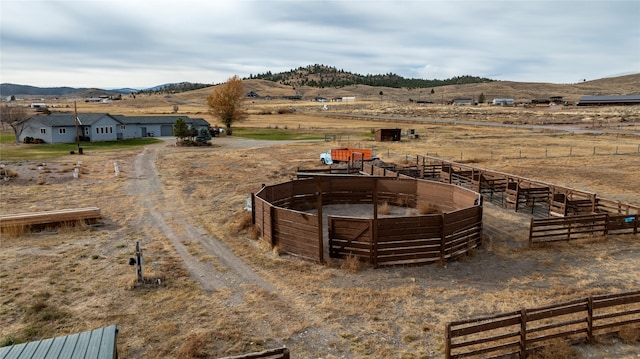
(347, 154)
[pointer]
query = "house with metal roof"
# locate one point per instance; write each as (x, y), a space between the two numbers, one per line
(93, 127)
(609, 100)
(94, 344)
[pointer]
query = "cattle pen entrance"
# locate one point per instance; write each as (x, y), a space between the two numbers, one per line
(438, 221)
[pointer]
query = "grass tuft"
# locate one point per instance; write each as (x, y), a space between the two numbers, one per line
(351, 264)
(384, 208)
(556, 349)
(629, 335)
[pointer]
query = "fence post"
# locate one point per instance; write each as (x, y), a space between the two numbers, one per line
(531, 233)
(523, 333)
(320, 225)
(253, 208)
(590, 319)
(447, 344)
(442, 238)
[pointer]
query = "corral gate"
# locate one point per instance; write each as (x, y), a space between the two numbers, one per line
(350, 237)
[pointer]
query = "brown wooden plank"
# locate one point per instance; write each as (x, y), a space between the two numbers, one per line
(499, 322)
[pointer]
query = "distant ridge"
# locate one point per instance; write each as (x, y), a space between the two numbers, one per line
(328, 76)
(7, 89)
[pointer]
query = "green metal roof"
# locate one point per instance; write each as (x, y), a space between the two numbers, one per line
(95, 344)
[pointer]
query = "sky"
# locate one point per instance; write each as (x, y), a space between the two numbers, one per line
(144, 43)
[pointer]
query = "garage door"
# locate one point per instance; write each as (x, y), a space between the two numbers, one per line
(166, 130)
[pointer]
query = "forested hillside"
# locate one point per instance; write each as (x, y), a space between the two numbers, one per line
(328, 76)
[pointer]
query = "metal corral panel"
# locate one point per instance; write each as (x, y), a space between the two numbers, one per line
(95, 344)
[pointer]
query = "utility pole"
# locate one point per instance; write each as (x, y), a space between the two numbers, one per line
(75, 110)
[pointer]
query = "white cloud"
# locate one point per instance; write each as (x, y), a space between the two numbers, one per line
(114, 43)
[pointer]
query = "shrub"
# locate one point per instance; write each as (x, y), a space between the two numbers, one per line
(285, 111)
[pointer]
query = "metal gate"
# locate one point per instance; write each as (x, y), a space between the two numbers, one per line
(350, 237)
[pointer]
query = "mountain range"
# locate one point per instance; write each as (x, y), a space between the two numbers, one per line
(321, 80)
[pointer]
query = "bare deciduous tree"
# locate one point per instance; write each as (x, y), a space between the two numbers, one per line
(14, 116)
(227, 102)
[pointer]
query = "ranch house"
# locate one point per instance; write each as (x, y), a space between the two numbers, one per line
(93, 127)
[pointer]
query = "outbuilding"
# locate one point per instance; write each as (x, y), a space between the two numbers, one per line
(95, 344)
(609, 100)
(388, 134)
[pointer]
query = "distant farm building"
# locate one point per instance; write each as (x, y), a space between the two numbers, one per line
(252, 94)
(388, 134)
(609, 100)
(463, 101)
(556, 99)
(348, 99)
(503, 101)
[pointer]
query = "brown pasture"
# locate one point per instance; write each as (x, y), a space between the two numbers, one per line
(76, 279)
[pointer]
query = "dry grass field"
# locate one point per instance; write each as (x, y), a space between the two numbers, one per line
(225, 292)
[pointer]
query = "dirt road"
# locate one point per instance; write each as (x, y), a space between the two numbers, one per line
(161, 213)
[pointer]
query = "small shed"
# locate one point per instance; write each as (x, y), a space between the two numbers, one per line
(388, 134)
(95, 344)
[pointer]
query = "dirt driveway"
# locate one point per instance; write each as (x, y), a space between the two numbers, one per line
(160, 212)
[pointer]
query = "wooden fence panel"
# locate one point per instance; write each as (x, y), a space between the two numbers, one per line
(296, 233)
(498, 335)
(611, 312)
(622, 224)
(616, 207)
(408, 240)
(350, 236)
(567, 228)
(524, 331)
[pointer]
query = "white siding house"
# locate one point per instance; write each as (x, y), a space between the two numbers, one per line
(61, 128)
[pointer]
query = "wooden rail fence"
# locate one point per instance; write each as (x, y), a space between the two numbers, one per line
(510, 191)
(544, 230)
(522, 332)
(289, 215)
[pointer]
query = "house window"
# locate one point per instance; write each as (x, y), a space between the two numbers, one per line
(110, 129)
(97, 130)
(101, 129)
(122, 127)
(43, 131)
(62, 131)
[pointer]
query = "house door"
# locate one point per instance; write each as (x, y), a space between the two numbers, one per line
(143, 130)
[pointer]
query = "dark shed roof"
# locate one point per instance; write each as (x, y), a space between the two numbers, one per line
(69, 119)
(95, 344)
